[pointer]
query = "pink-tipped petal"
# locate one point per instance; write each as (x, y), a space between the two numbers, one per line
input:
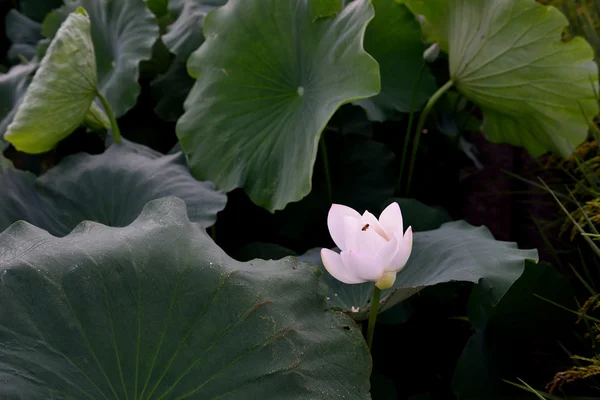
(391, 220)
(388, 252)
(335, 223)
(366, 266)
(335, 266)
(404, 251)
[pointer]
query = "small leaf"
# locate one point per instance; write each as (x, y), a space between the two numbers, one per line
(393, 38)
(156, 310)
(534, 89)
(123, 33)
(456, 251)
(61, 92)
(110, 188)
(269, 78)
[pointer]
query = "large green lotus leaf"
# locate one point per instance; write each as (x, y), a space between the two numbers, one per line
(534, 89)
(394, 39)
(61, 91)
(269, 79)
(38, 9)
(13, 86)
(157, 310)
(24, 34)
(456, 251)
(185, 35)
(110, 188)
(123, 33)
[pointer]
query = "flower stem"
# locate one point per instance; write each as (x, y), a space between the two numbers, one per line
(373, 315)
(326, 168)
(411, 119)
(428, 107)
(111, 117)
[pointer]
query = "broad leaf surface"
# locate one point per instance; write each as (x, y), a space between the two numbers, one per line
(61, 91)
(456, 251)
(110, 188)
(534, 89)
(157, 310)
(393, 38)
(269, 79)
(24, 34)
(123, 33)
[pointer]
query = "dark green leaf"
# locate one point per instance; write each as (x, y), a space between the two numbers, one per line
(419, 215)
(269, 80)
(24, 34)
(498, 351)
(38, 9)
(394, 39)
(157, 310)
(456, 251)
(171, 89)
(185, 35)
(111, 188)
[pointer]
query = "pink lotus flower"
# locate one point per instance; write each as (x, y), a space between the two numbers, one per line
(372, 250)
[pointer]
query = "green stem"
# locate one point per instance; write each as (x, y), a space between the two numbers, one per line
(373, 316)
(428, 107)
(111, 117)
(326, 168)
(411, 119)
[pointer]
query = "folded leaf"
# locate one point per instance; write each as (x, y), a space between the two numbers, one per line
(61, 91)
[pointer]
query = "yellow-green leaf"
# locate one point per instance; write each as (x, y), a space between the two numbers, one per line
(61, 92)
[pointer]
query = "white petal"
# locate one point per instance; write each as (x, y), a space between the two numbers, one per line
(368, 218)
(366, 266)
(391, 220)
(335, 223)
(404, 250)
(369, 241)
(388, 252)
(335, 266)
(351, 233)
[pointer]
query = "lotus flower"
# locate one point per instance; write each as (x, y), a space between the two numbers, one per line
(372, 250)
